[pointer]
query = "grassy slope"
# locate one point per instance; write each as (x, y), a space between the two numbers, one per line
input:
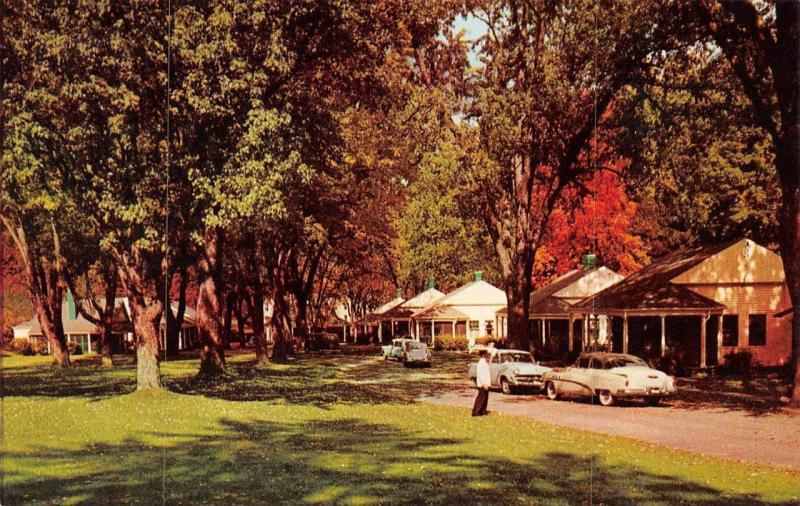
(307, 433)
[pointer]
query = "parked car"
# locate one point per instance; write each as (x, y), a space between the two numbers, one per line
(394, 351)
(511, 370)
(609, 376)
(416, 353)
(317, 341)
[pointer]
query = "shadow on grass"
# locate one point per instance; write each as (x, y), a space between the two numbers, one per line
(757, 394)
(86, 377)
(324, 461)
(322, 380)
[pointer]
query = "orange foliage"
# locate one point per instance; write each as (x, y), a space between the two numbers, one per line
(596, 218)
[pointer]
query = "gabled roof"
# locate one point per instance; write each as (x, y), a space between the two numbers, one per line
(438, 312)
(378, 313)
(412, 305)
(474, 293)
(575, 284)
(651, 288)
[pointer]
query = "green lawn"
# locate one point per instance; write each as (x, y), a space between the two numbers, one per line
(321, 430)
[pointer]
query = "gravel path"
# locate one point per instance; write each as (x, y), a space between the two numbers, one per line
(768, 439)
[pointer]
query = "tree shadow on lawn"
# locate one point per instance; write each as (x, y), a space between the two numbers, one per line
(758, 393)
(304, 382)
(85, 378)
(324, 380)
(332, 461)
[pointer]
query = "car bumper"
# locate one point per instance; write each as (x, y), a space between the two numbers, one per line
(644, 392)
(527, 382)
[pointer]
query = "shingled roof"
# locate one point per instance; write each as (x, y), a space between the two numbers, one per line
(414, 304)
(544, 301)
(651, 288)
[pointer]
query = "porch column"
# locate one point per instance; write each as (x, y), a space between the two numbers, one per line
(663, 335)
(703, 320)
(454, 329)
(380, 330)
(417, 335)
(624, 332)
(393, 330)
(344, 330)
(433, 331)
(570, 345)
(544, 332)
(585, 337)
(88, 343)
(719, 339)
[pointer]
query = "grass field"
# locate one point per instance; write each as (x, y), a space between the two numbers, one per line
(325, 429)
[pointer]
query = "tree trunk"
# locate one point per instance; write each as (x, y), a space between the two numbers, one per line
(237, 309)
(518, 289)
(146, 321)
(227, 331)
(259, 338)
(787, 160)
(107, 317)
(212, 356)
(175, 321)
(281, 341)
(52, 326)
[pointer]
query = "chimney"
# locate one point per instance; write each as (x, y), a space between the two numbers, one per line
(72, 310)
(589, 261)
(431, 283)
(399, 293)
(478, 275)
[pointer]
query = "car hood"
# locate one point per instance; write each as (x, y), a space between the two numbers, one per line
(528, 368)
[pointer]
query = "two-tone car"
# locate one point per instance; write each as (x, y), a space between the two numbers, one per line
(609, 376)
(511, 370)
(415, 353)
(394, 350)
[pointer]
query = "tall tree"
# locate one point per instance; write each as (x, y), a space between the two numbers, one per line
(761, 41)
(551, 71)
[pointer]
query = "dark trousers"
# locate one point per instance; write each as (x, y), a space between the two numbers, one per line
(481, 402)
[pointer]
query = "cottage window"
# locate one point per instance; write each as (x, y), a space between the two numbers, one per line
(730, 330)
(473, 327)
(757, 330)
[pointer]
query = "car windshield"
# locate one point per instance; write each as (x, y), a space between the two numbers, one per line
(517, 357)
(628, 361)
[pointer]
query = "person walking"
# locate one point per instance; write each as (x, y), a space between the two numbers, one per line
(484, 381)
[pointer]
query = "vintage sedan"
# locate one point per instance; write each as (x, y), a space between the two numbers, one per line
(415, 353)
(609, 376)
(394, 351)
(511, 370)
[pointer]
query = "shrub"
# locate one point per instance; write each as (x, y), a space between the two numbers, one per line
(74, 348)
(22, 346)
(669, 363)
(739, 362)
(450, 343)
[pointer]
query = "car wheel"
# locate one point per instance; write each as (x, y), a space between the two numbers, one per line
(605, 398)
(652, 401)
(550, 389)
(505, 386)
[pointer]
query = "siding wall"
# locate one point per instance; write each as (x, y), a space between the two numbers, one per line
(762, 298)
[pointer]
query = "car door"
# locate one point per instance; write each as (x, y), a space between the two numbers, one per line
(595, 376)
(577, 377)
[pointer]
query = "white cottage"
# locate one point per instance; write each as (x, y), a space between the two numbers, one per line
(468, 311)
(399, 319)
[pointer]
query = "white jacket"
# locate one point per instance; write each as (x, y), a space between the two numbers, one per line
(484, 376)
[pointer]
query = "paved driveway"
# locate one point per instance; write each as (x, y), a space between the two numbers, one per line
(768, 439)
